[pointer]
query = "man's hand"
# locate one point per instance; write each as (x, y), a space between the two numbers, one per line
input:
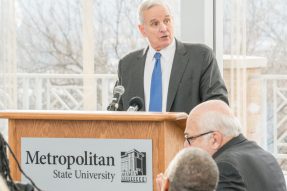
(159, 181)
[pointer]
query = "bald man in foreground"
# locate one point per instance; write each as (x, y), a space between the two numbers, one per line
(243, 165)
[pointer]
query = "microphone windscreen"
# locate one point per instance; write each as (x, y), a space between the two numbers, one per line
(136, 101)
(119, 90)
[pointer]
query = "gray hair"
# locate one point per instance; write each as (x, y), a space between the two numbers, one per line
(148, 4)
(214, 121)
(192, 169)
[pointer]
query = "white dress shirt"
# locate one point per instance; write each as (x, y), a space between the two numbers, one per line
(167, 55)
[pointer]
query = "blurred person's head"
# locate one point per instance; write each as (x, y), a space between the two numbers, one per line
(192, 169)
(156, 23)
(210, 125)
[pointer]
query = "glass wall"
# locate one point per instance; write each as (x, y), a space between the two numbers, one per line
(64, 54)
(255, 48)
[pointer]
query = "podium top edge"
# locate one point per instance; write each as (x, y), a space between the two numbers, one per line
(92, 115)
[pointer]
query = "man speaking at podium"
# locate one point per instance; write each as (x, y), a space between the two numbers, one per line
(169, 75)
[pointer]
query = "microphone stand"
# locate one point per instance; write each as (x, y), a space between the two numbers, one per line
(5, 170)
(112, 106)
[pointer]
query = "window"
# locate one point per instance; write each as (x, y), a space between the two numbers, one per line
(64, 54)
(255, 68)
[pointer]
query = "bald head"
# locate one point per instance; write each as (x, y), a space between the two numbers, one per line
(216, 106)
(215, 117)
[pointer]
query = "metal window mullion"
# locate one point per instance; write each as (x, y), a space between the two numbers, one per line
(275, 132)
(264, 116)
(88, 54)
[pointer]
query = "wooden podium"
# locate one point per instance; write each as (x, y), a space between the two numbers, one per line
(164, 129)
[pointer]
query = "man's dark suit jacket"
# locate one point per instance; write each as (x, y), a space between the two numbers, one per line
(243, 165)
(194, 77)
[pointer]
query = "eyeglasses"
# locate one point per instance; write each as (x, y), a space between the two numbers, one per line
(190, 139)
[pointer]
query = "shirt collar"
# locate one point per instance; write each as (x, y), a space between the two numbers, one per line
(165, 53)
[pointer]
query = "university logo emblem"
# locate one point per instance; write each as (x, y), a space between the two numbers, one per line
(133, 167)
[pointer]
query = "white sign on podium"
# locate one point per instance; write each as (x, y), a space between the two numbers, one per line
(74, 164)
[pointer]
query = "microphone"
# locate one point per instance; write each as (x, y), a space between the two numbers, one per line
(135, 104)
(117, 92)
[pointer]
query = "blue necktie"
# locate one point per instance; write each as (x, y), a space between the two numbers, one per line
(155, 103)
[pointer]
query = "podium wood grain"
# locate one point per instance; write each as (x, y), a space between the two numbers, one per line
(164, 129)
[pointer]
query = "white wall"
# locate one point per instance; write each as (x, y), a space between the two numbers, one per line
(200, 23)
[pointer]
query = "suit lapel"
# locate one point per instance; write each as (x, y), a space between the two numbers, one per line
(179, 64)
(139, 75)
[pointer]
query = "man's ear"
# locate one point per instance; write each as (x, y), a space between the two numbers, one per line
(142, 29)
(216, 140)
(165, 185)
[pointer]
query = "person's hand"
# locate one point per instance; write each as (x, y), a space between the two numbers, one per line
(159, 181)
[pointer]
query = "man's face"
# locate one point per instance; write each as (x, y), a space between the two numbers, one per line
(204, 142)
(157, 27)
